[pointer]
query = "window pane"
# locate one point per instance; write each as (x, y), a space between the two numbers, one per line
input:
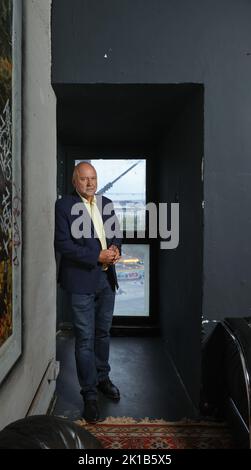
(132, 297)
(124, 182)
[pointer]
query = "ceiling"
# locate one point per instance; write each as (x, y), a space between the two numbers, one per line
(118, 114)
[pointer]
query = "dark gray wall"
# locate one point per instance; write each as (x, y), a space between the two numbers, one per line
(61, 295)
(176, 41)
(180, 270)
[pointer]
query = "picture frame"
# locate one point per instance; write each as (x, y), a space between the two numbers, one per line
(10, 185)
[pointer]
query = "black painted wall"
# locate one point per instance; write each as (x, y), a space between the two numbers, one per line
(180, 270)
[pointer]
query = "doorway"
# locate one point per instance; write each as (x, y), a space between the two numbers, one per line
(163, 126)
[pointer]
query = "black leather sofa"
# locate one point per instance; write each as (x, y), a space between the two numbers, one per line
(226, 375)
(46, 432)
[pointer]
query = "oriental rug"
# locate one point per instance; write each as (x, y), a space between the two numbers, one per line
(129, 433)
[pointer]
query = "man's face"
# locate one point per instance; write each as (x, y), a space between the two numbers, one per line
(86, 181)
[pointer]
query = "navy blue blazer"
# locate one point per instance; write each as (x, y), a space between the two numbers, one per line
(79, 269)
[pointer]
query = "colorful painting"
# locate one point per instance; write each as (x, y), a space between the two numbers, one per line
(5, 170)
(10, 183)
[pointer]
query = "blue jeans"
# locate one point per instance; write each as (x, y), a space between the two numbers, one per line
(92, 321)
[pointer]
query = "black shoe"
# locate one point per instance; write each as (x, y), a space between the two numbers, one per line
(109, 389)
(91, 411)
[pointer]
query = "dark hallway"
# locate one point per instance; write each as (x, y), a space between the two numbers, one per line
(162, 124)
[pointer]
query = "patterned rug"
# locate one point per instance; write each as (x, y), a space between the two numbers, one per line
(129, 433)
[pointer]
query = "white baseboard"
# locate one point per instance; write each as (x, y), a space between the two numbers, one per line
(42, 399)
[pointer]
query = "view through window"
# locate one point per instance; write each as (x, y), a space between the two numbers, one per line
(132, 297)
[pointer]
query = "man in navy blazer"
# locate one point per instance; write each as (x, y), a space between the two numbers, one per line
(88, 238)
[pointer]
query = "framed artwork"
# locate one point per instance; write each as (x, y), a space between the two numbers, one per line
(10, 184)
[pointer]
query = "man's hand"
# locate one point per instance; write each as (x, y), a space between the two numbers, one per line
(106, 256)
(115, 250)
